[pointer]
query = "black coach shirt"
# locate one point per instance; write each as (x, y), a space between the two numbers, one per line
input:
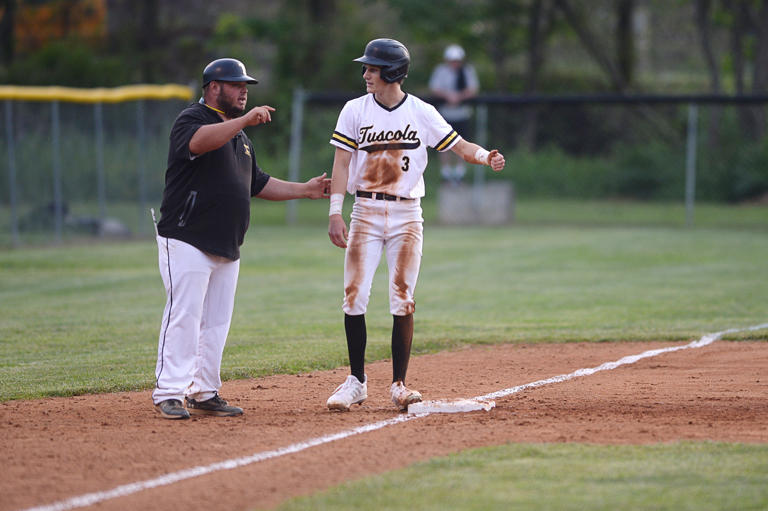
(207, 198)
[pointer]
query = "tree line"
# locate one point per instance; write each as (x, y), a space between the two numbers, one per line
(524, 47)
(517, 42)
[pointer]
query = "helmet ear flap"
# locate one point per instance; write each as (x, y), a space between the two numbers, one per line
(392, 75)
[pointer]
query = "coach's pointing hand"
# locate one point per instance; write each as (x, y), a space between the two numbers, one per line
(259, 115)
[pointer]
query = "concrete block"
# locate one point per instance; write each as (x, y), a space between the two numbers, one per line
(486, 204)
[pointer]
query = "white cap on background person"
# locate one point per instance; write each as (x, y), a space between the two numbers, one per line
(454, 52)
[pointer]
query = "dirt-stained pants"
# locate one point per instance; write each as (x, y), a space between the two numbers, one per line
(396, 226)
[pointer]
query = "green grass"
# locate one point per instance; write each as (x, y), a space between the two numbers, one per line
(630, 213)
(564, 212)
(536, 212)
(563, 477)
(84, 318)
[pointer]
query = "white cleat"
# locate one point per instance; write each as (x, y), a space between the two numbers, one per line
(402, 396)
(349, 393)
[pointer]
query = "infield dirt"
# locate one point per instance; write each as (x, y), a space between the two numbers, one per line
(64, 447)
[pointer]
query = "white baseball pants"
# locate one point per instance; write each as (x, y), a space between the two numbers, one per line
(200, 295)
(396, 226)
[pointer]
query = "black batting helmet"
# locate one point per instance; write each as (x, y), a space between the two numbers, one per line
(390, 55)
(226, 70)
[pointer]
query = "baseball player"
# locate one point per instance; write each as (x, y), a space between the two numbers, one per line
(212, 174)
(381, 142)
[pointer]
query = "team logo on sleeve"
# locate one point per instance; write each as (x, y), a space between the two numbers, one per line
(406, 138)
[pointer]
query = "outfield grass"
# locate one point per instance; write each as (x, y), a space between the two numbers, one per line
(85, 318)
(526, 212)
(565, 212)
(563, 477)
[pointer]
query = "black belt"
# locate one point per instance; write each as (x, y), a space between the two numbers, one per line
(380, 196)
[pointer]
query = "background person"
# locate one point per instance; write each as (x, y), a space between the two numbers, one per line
(381, 142)
(454, 81)
(212, 174)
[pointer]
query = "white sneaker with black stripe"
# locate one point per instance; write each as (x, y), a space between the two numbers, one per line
(349, 393)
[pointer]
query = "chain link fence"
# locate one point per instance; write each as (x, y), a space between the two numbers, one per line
(92, 167)
(675, 151)
(83, 162)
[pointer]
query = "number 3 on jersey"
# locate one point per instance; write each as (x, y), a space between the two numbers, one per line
(406, 164)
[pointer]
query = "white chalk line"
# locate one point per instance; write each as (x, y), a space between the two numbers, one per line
(127, 489)
(174, 477)
(630, 359)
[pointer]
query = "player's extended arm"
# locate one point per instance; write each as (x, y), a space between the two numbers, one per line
(212, 136)
(277, 189)
(337, 229)
(473, 153)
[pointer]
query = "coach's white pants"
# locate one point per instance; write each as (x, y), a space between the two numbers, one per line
(200, 296)
(396, 226)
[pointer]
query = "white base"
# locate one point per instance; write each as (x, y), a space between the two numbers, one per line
(457, 406)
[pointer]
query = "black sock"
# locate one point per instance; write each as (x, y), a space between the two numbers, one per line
(357, 337)
(402, 337)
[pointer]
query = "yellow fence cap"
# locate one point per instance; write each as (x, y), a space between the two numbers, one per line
(98, 95)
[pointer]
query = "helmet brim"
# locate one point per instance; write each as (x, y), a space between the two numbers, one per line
(244, 78)
(365, 59)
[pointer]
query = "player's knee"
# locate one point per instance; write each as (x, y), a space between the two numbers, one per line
(402, 308)
(354, 309)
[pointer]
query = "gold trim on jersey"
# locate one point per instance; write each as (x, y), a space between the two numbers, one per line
(446, 141)
(338, 137)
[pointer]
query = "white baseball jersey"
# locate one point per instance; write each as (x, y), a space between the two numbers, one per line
(389, 145)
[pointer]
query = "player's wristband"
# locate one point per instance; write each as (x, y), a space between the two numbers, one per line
(481, 155)
(337, 201)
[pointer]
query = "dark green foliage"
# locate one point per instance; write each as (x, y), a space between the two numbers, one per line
(67, 63)
(643, 172)
(648, 171)
(577, 151)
